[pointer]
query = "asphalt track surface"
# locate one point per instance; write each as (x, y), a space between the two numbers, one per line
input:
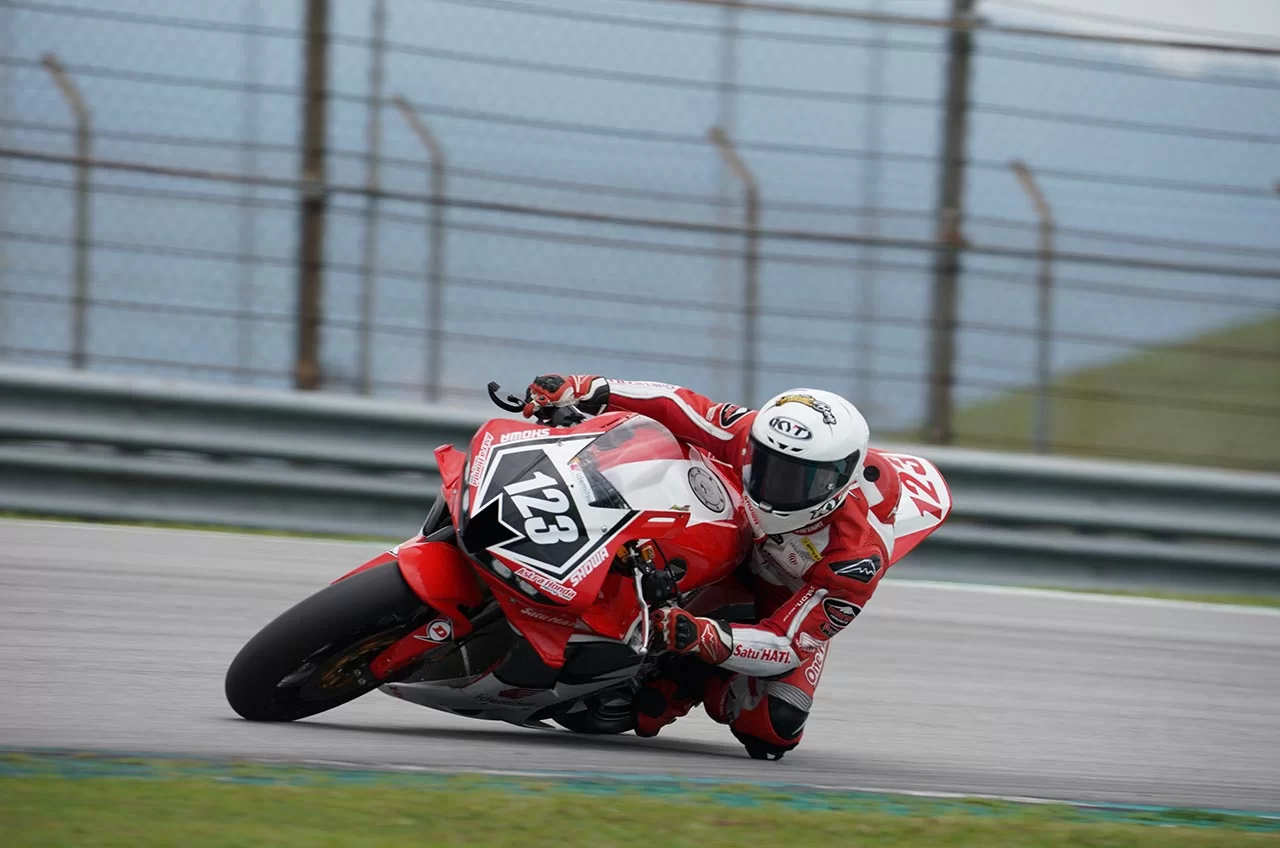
(117, 639)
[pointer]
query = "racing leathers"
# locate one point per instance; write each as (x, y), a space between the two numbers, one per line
(802, 588)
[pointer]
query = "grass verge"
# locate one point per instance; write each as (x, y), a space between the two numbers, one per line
(1204, 419)
(199, 805)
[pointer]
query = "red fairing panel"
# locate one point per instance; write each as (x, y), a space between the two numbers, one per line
(444, 579)
(380, 559)
(450, 460)
(546, 628)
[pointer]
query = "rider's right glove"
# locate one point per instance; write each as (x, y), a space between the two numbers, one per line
(681, 632)
(590, 393)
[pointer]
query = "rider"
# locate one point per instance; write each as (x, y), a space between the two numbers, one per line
(819, 504)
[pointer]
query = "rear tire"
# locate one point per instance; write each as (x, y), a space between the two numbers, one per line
(605, 715)
(315, 656)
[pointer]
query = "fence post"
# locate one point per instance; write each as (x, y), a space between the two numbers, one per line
(751, 283)
(84, 152)
(726, 118)
(435, 269)
(868, 280)
(247, 237)
(1044, 305)
(946, 262)
(314, 197)
(373, 135)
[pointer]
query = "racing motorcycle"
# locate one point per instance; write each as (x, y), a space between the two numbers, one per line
(527, 595)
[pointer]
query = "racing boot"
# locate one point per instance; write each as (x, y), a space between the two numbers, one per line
(766, 725)
(659, 703)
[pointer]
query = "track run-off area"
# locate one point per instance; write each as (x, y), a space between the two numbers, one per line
(117, 639)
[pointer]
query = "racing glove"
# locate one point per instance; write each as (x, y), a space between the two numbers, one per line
(678, 631)
(587, 392)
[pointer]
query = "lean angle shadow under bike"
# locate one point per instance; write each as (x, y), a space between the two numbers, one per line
(527, 595)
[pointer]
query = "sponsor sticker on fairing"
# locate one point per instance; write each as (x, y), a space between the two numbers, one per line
(481, 460)
(546, 585)
(521, 436)
(578, 480)
(437, 632)
(550, 618)
(519, 694)
(646, 384)
(588, 565)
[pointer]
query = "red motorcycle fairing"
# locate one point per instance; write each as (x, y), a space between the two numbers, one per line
(606, 603)
(451, 461)
(579, 593)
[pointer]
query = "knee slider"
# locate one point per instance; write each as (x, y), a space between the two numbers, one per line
(787, 720)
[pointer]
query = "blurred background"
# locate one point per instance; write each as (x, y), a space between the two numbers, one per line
(983, 234)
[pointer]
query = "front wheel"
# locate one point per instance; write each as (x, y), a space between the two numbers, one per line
(315, 656)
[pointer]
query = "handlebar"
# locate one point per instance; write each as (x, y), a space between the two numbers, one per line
(556, 416)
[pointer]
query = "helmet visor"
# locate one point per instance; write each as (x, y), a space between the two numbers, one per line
(786, 483)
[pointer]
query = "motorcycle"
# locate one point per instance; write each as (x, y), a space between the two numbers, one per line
(527, 595)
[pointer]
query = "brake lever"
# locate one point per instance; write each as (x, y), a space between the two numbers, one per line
(566, 416)
(658, 587)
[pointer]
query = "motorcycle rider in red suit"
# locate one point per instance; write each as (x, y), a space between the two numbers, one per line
(821, 507)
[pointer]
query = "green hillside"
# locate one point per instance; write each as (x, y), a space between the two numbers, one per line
(1193, 423)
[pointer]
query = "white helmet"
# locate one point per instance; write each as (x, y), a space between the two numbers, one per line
(805, 453)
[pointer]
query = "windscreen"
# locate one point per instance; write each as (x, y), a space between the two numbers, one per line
(636, 440)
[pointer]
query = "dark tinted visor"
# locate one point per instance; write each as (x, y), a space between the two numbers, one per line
(786, 484)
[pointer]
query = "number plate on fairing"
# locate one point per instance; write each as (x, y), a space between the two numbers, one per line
(528, 510)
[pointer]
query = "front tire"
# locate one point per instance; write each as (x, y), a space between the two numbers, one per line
(315, 656)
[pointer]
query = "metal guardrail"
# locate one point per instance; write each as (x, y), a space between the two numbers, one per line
(111, 447)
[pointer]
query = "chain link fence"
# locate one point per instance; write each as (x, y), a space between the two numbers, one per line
(506, 187)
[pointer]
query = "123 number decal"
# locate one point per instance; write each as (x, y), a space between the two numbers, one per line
(543, 506)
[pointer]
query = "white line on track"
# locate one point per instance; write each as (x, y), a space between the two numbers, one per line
(1086, 597)
(943, 585)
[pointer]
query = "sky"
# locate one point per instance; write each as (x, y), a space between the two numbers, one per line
(1255, 22)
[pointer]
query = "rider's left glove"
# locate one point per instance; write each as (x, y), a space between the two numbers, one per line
(681, 632)
(552, 390)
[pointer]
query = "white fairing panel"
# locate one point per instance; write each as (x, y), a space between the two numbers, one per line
(682, 485)
(496, 700)
(924, 503)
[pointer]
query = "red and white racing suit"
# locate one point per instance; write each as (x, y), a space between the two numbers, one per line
(807, 586)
